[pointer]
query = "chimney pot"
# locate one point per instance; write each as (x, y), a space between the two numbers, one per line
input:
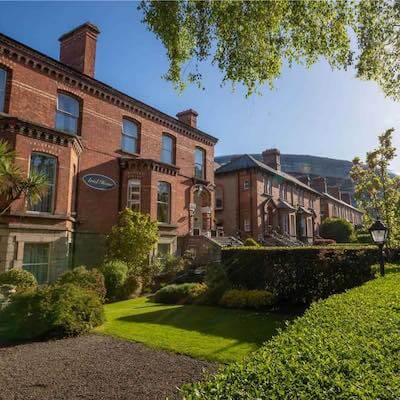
(78, 48)
(188, 117)
(272, 158)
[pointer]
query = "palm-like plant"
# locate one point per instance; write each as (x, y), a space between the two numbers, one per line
(14, 183)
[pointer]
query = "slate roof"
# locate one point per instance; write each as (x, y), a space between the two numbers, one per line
(247, 161)
(333, 198)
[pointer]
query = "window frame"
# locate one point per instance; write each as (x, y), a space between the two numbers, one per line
(138, 136)
(46, 264)
(173, 148)
(129, 201)
(65, 113)
(169, 203)
(246, 224)
(203, 152)
(246, 184)
(5, 90)
(219, 190)
(54, 184)
(268, 185)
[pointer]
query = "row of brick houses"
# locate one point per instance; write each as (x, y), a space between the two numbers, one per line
(257, 199)
(103, 150)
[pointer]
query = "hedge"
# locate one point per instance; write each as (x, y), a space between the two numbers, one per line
(344, 347)
(299, 274)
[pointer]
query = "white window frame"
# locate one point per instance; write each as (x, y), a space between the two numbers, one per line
(199, 150)
(246, 184)
(130, 136)
(131, 202)
(247, 225)
(163, 149)
(68, 114)
(268, 186)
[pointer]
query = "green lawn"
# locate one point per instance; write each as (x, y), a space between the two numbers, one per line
(211, 333)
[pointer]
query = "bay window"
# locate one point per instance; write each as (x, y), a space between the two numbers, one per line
(67, 115)
(46, 165)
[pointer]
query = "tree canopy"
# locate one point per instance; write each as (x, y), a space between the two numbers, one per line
(251, 41)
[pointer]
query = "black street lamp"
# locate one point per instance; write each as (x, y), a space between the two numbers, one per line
(379, 233)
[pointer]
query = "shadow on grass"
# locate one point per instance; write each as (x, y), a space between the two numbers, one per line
(240, 325)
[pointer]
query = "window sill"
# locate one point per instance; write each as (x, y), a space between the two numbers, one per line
(121, 151)
(166, 225)
(43, 215)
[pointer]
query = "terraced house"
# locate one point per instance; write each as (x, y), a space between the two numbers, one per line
(101, 150)
(257, 199)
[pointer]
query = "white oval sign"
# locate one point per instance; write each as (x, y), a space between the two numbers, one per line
(99, 182)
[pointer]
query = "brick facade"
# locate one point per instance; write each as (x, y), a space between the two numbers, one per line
(83, 215)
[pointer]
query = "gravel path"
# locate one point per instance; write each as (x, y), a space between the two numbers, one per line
(94, 367)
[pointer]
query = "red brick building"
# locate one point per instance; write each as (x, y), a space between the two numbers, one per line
(257, 199)
(102, 150)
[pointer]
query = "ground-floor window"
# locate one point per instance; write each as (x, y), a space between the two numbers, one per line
(163, 249)
(36, 260)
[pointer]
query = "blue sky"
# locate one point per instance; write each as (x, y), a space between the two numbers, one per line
(317, 111)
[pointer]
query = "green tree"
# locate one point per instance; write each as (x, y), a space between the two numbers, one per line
(377, 191)
(132, 240)
(337, 229)
(14, 184)
(250, 41)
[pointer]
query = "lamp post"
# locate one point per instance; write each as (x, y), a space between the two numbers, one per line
(379, 232)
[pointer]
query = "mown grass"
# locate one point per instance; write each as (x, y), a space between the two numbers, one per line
(210, 333)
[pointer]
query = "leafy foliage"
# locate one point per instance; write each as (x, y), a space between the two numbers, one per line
(58, 311)
(217, 283)
(87, 279)
(256, 299)
(14, 184)
(185, 293)
(251, 242)
(335, 351)
(131, 241)
(337, 229)
(376, 190)
(115, 273)
(299, 275)
(251, 41)
(20, 278)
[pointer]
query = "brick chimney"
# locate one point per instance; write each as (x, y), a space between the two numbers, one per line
(78, 48)
(346, 197)
(305, 179)
(272, 158)
(188, 117)
(335, 191)
(319, 184)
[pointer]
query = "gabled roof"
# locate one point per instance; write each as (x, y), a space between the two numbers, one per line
(247, 161)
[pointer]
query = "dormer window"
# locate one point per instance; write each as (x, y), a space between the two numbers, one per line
(130, 136)
(67, 115)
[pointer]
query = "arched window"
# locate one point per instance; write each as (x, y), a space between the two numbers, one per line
(164, 202)
(199, 163)
(46, 165)
(168, 149)
(3, 82)
(67, 115)
(130, 136)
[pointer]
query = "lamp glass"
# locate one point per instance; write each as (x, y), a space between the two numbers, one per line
(379, 236)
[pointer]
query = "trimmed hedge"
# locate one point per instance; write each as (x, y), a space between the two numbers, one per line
(236, 298)
(338, 229)
(185, 293)
(345, 347)
(299, 274)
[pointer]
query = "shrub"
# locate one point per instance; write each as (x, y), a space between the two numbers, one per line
(364, 238)
(20, 278)
(250, 242)
(345, 347)
(115, 273)
(73, 310)
(337, 229)
(185, 293)
(87, 279)
(256, 299)
(130, 287)
(58, 311)
(6, 291)
(299, 275)
(323, 242)
(217, 283)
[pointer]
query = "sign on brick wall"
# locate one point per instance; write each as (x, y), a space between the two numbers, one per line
(99, 182)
